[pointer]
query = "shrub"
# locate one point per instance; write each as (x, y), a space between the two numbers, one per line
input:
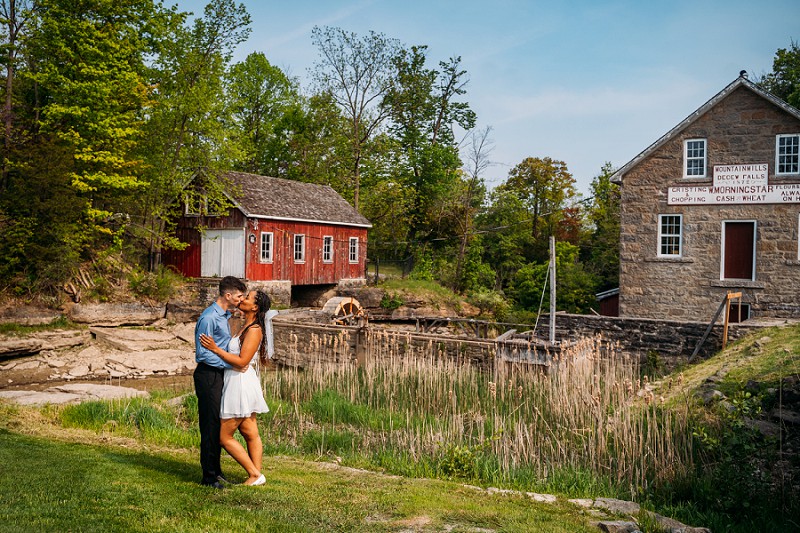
(159, 285)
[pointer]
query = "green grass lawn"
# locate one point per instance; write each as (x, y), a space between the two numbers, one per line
(51, 485)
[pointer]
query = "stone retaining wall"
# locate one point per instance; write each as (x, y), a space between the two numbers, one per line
(672, 340)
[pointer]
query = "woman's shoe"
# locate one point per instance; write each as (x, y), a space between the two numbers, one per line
(260, 481)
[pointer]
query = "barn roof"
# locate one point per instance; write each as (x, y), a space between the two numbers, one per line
(741, 81)
(282, 199)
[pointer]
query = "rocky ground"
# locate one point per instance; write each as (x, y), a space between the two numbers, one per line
(43, 367)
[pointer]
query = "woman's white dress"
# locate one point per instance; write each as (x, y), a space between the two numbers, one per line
(241, 392)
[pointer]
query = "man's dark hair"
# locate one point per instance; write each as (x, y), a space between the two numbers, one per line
(231, 284)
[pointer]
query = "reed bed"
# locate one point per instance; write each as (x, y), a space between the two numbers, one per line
(589, 412)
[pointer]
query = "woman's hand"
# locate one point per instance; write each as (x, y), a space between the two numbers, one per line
(208, 343)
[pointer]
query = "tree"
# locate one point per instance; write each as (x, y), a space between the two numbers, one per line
(259, 95)
(90, 65)
(424, 111)
(603, 213)
(14, 14)
(187, 131)
(784, 80)
(545, 187)
(355, 71)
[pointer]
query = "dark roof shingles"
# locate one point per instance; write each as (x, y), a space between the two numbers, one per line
(277, 197)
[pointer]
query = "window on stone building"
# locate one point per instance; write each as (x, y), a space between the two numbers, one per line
(787, 154)
(694, 158)
(669, 235)
(299, 248)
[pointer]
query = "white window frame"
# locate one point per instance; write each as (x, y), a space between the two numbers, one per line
(352, 252)
(795, 156)
(299, 251)
(722, 249)
(327, 249)
(662, 236)
(687, 158)
(270, 237)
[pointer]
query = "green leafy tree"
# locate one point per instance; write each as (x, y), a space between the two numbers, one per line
(506, 224)
(355, 71)
(187, 130)
(601, 248)
(545, 188)
(784, 80)
(259, 96)
(574, 285)
(90, 65)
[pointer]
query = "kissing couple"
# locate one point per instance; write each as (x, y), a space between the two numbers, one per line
(227, 382)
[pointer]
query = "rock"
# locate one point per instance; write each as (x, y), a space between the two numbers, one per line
(503, 492)
(613, 505)
(185, 332)
(768, 429)
(369, 297)
(132, 340)
(79, 371)
(581, 502)
(711, 395)
(23, 397)
(619, 527)
(177, 312)
(28, 365)
(786, 416)
(92, 391)
(14, 346)
(28, 315)
(545, 498)
(117, 314)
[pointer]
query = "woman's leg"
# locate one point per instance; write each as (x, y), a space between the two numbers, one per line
(235, 449)
(249, 430)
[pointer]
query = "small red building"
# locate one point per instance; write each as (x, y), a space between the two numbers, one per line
(278, 230)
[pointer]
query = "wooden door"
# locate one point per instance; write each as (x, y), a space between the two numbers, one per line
(222, 253)
(739, 250)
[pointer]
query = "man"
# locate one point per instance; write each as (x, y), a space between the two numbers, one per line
(209, 374)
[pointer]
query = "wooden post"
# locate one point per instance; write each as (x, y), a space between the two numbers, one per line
(552, 290)
(731, 295)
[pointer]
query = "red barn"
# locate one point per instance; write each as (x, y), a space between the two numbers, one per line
(278, 231)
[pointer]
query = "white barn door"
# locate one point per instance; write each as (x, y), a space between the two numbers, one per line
(222, 253)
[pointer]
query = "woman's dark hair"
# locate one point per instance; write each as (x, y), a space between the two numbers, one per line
(264, 303)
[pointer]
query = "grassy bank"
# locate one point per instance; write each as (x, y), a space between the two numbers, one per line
(51, 485)
(592, 426)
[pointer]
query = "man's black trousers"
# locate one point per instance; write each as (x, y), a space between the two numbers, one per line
(208, 383)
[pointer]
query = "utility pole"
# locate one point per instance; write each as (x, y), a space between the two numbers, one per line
(552, 290)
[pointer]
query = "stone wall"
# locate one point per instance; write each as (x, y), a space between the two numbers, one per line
(740, 129)
(673, 341)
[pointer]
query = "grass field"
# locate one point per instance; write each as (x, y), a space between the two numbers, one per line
(52, 485)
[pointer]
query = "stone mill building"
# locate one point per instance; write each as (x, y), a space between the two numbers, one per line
(713, 207)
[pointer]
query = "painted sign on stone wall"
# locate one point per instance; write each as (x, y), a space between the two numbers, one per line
(736, 184)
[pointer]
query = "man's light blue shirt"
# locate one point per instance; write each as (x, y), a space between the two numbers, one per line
(214, 323)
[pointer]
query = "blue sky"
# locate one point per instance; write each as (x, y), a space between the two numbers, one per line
(580, 81)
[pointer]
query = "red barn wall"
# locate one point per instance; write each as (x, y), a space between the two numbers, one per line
(312, 271)
(187, 261)
(283, 267)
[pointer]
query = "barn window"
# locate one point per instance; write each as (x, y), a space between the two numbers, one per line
(299, 248)
(354, 249)
(266, 247)
(694, 158)
(669, 235)
(787, 154)
(327, 249)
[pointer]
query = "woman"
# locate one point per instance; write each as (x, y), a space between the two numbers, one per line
(241, 394)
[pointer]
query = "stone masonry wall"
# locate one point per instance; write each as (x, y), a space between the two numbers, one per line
(740, 129)
(673, 341)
